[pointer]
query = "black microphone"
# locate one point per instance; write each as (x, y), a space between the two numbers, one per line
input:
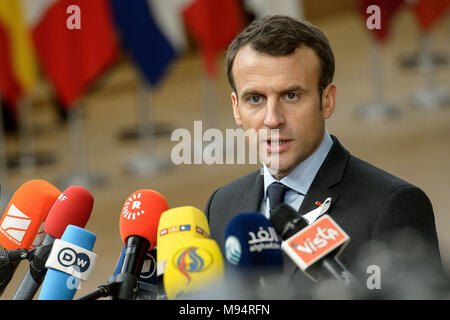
(313, 248)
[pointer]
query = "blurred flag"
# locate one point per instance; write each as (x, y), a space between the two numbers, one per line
(72, 58)
(18, 71)
(261, 8)
(213, 24)
(388, 8)
(428, 12)
(153, 31)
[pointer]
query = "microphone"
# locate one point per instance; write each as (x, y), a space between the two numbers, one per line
(251, 241)
(21, 226)
(73, 206)
(176, 225)
(70, 261)
(195, 266)
(148, 286)
(253, 252)
(313, 248)
(138, 226)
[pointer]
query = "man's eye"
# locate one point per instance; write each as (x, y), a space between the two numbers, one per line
(255, 99)
(291, 96)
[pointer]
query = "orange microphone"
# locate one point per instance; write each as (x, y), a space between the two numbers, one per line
(22, 224)
(138, 227)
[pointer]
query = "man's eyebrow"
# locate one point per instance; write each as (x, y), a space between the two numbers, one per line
(295, 87)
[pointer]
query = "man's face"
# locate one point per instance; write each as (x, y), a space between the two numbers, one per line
(281, 92)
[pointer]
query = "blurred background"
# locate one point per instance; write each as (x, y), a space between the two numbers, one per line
(91, 93)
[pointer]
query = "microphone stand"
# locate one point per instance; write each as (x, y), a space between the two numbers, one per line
(37, 271)
(116, 288)
(10, 259)
(10, 256)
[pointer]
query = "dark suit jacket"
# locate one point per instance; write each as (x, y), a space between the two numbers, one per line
(368, 203)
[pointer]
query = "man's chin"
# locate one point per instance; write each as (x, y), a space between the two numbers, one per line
(277, 170)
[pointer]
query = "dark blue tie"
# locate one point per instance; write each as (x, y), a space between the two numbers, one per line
(276, 192)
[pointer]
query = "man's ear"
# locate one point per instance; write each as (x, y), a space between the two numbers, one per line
(328, 100)
(237, 117)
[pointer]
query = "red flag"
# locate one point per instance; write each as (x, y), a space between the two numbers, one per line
(428, 12)
(213, 24)
(73, 58)
(388, 8)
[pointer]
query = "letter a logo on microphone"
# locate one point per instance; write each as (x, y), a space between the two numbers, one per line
(132, 207)
(15, 224)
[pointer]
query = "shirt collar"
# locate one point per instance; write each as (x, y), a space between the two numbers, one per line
(301, 178)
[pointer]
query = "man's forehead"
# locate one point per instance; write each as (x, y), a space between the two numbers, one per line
(300, 67)
(248, 54)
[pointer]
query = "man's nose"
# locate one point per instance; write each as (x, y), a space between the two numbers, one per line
(274, 118)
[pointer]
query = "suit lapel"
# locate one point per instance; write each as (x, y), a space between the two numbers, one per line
(329, 174)
(254, 196)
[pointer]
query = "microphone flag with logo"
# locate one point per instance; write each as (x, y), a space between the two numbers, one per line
(251, 242)
(70, 261)
(313, 248)
(177, 225)
(195, 266)
(254, 257)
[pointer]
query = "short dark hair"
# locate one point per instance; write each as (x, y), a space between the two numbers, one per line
(280, 35)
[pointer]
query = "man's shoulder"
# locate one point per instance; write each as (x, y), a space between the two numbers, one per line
(372, 176)
(242, 183)
(234, 195)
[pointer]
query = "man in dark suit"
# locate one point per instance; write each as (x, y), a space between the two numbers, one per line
(281, 72)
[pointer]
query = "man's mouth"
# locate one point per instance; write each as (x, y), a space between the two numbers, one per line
(278, 145)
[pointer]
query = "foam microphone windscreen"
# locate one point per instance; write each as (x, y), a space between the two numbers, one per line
(177, 225)
(251, 241)
(140, 215)
(73, 206)
(196, 265)
(26, 213)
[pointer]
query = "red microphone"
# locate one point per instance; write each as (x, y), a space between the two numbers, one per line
(73, 206)
(140, 215)
(138, 226)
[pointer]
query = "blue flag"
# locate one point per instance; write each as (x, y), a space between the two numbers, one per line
(144, 36)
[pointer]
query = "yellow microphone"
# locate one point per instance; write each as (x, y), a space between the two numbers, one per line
(195, 267)
(176, 226)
